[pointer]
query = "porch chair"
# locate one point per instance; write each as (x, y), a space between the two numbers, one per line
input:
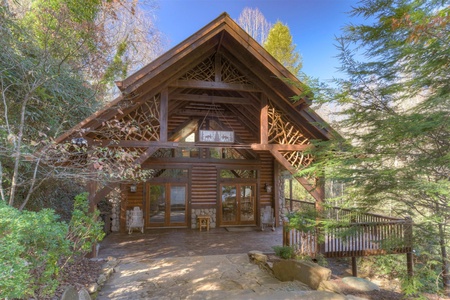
(267, 217)
(135, 219)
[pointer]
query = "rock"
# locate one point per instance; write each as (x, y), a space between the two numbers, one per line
(92, 288)
(70, 293)
(307, 272)
(329, 286)
(101, 279)
(84, 295)
(257, 257)
(360, 284)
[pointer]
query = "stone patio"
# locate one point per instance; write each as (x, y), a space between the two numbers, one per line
(162, 243)
(188, 264)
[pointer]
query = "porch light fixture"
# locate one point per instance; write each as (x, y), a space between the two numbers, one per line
(133, 188)
(268, 188)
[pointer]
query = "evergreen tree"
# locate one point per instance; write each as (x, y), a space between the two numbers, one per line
(279, 44)
(395, 116)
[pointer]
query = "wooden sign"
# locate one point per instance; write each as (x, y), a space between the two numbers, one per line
(216, 136)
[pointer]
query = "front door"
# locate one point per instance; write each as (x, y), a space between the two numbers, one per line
(237, 205)
(167, 205)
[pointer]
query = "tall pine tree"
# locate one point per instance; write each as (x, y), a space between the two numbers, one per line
(395, 116)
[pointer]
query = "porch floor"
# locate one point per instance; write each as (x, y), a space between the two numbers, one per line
(163, 243)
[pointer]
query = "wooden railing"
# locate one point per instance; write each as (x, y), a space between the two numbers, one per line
(359, 234)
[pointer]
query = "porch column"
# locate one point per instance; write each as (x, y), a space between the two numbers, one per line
(163, 115)
(264, 120)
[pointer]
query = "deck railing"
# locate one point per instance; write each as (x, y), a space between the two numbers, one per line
(360, 234)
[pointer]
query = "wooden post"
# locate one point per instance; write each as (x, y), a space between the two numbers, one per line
(354, 267)
(320, 189)
(92, 189)
(408, 235)
(163, 115)
(264, 120)
(291, 204)
(286, 235)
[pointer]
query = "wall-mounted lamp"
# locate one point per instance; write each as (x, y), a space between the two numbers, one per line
(133, 188)
(268, 188)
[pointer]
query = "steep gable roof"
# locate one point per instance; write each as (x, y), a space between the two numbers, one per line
(223, 40)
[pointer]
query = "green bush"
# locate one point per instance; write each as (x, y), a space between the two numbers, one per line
(34, 246)
(85, 229)
(285, 252)
(31, 244)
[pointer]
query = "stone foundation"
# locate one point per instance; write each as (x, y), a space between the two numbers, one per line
(203, 211)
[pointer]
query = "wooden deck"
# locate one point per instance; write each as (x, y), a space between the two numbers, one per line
(359, 234)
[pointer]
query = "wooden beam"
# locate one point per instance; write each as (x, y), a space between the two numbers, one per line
(134, 144)
(303, 181)
(210, 85)
(211, 99)
(218, 64)
(163, 115)
(281, 147)
(264, 120)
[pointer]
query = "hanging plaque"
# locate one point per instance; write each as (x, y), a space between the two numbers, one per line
(216, 136)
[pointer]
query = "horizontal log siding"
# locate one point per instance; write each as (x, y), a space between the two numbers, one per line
(204, 185)
(266, 176)
(135, 199)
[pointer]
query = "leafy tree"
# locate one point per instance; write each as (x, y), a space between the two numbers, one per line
(395, 116)
(254, 23)
(279, 44)
(57, 60)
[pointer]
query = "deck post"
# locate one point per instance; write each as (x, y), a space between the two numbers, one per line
(408, 243)
(286, 235)
(320, 188)
(354, 267)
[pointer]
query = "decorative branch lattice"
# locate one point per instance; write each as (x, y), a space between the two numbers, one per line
(282, 131)
(232, 75)
(142, 124)
(203, 71)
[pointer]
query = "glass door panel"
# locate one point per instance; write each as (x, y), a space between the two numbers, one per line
(178, 204)
(229, 204)
(247, 203)
(157, 195)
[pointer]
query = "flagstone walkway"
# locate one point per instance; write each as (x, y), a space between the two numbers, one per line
(187, 264)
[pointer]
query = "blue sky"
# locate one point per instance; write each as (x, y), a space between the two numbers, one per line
(313, 24)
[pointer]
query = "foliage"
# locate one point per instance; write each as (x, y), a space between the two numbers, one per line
(285, 252)
(279, 45)
(394, 114)
(34, 247)
(85, 229)
(30, 249)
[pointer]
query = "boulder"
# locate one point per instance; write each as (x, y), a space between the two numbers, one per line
(360, 284)
(307, 272)
(257, 257)
(329, 286)
(92, 288)
(70, 293)
(84, 295)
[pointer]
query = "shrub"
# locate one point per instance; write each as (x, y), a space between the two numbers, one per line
(85, 229)
(285, 252)
(31, 244)
(34, 246)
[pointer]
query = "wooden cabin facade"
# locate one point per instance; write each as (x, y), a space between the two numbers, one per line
(214, 122)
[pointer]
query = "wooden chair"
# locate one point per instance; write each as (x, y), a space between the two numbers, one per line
(267, 217)
(135, 219)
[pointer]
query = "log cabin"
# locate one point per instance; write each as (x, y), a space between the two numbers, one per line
(215, 121)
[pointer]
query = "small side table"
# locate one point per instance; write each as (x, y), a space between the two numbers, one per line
(203, 222)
